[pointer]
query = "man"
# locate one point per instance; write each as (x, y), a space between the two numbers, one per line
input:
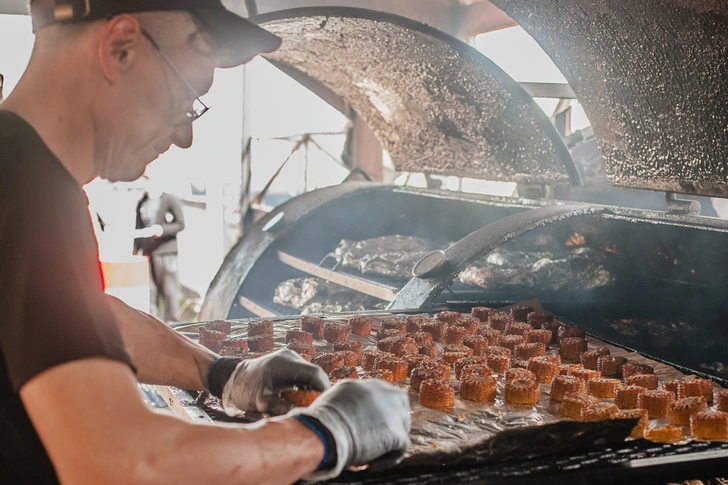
(161, 215)
(110, 85)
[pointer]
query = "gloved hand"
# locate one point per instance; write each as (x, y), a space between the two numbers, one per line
(256, 384)
(369, 422)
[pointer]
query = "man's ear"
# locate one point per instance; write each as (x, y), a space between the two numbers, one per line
(120, 44)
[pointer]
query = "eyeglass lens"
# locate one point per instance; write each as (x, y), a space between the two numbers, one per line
(198, 107)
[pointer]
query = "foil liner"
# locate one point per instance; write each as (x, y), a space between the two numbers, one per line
(392, 256)
(315, 295)
(484, 433)
(510, 444)
(507, 269)
(532, 262)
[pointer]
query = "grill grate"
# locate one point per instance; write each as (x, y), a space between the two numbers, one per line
(637, 461)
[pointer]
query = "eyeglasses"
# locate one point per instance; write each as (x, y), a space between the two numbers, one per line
(198, 107)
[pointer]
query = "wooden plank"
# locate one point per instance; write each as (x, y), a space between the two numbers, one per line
(255, 308)
(383, 292)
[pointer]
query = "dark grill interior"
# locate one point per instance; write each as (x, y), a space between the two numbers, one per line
(398, 212)
(667, 298)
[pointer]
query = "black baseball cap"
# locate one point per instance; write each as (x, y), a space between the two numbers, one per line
(236, 39)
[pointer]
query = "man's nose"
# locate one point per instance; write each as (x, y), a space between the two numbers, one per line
(182, 136)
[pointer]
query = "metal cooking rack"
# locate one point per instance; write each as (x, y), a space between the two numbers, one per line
(634, 462)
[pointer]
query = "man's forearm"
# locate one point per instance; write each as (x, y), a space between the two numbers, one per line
(97, 430)
(160, 354)
(271, 452)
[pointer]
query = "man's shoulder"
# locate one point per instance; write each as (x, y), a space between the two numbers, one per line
(19, 144)
(29, 168)
(12, 126)
(11, 134)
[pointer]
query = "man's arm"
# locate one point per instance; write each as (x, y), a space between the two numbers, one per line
(96, 430)
(160, 354)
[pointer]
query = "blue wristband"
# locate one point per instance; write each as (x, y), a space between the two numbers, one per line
(207, 375)
(328, 461)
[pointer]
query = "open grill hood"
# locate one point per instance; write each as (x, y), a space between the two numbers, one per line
(652, 76)
(435, 103)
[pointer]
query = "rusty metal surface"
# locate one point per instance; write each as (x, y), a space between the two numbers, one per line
(652, 76)
(435, 103)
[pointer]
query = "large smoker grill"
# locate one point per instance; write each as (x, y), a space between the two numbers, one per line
(653, 79)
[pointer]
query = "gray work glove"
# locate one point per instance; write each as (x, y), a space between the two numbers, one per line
(369, 422)
(256, 384)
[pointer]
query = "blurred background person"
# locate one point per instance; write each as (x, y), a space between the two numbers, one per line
(159, 218)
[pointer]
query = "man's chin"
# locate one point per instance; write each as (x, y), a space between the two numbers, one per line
(127, 172)
(115, 178)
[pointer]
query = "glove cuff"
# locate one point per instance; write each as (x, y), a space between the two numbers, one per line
(329, 460)
(219, 373)
(338, 441)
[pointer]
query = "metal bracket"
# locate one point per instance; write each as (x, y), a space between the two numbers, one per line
(681, 206)
(430, 264)
(273, 222)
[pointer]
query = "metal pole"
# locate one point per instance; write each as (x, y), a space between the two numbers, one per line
(252, 7)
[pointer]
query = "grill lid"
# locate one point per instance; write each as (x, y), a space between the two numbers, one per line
(652, 76)
(435, 103)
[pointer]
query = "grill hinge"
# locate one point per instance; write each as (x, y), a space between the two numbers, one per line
(681, 206)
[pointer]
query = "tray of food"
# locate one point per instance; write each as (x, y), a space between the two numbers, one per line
(493, 384)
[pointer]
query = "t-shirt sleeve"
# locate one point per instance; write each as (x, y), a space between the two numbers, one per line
(51, 288)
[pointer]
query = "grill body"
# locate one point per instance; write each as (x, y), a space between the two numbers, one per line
(448, 111)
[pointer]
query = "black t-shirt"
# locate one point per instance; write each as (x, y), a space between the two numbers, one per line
(52, 305)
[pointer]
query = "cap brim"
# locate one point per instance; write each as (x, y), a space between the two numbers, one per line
(237, 40)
